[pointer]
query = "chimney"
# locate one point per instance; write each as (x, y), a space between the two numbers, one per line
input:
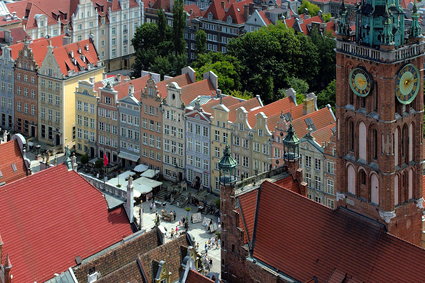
(191, 72)
(131, 90)
(212, 77)
(129, 207)
(222, 5)
(74, 162)
(7, 268)
(246, 12)
(309, 104)
(91, 80)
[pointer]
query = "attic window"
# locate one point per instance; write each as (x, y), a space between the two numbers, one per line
(79, 50)
(86, 47)
(310, 124)
(288, 116)
(1, 174)
(14, 167)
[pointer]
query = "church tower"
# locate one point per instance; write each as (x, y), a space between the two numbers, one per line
(379, 110)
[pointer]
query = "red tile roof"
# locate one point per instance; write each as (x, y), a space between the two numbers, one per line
(320, 118)
(315, 241)
(264, 17)
(192, 91)
(247, 209)
(83, 52)
(50, 218)
(274, 108)
(226, 101)
(236, 12)
(195, 277)
(181, 80)
(11, 154)
(38, 48)
(324, 134)
(247, 104)
(193, 11)
(139, 84)
(217, 10)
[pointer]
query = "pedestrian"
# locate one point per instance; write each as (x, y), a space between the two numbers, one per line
(150, 206)
(211, 262)
(154, 206)
(175, 215)
(206, 248)
(177, 229)
(212, 242)
(219, 243)
(209, 243)
(172, 233)
(186, 226)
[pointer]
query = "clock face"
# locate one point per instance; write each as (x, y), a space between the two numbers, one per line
(407, 84)
(360, 82)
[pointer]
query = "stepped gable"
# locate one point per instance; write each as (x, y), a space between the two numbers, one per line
(38, 48)
(43, 211)
(316, 241)
(12, 164)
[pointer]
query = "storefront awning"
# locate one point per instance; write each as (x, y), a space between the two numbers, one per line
(128, 156)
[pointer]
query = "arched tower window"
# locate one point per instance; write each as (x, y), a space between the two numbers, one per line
(363, 188)
(410, 185)
(403, 195)
(411, 129)
(374, 189)
(374, 144)
(362, 141)
(396, 146)
(396, 190)
(351, 179)
(351, 135)
(405, 144)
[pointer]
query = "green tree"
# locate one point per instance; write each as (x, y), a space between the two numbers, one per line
(312, 9)
(200, 42)
(241, 94)
(299, 85)
(179, 24)
(226, 67)
(326, 17)
(327, 96)
(325, 44)
(163, 27)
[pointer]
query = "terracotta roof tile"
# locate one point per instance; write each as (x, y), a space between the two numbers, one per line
(236, 11)
(181, 80)
(45, 210)
(170, 253)
(247, 209)
(69, 57)
(314, 241)
(38, 48)
(139, 84)
(11, 159)
(196, 277)
(129, 273)
(120, 256)
(226, 101)
(274, 108)
(264, 17)
(192, 91)
(324, 134)
(247, 104)
(320, 118)
(193, 11)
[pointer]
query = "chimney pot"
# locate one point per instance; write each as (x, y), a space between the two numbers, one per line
(222, 4)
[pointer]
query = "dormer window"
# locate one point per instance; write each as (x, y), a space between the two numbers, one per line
(210, 16)
(229, 19)
(14, 168)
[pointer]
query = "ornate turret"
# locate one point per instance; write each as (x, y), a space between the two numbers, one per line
(291, 146)
(227, 167)
(380, 23)
(343, 26)
(415, 29)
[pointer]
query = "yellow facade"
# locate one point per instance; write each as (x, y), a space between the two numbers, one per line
(85, 118)
(219, 137)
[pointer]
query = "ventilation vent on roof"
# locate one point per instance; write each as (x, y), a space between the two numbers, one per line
(1, 174)
(83, 58)
(310, 124)
(71, 54)
(78, 260)
(288, 116)
(93, 277)
(79, 50)
(74, 61)
(86, 47)
(14, 167)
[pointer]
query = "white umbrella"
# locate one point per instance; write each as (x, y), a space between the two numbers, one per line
(140, 168)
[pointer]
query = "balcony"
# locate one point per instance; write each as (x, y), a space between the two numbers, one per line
(384, 56)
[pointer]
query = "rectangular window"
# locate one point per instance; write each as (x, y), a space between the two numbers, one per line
(330, 186)
(308, 179)
(308, 161)
(217, 152)
(317, 182)
(217, 136)
(330, 167)
(245, 162)
(206, 148)
(317, 164)
(225, 138)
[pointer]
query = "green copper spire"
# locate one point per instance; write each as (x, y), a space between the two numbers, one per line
(380, 22)
(415, 29)
(227, 167)
(291, 145)
(343, 23)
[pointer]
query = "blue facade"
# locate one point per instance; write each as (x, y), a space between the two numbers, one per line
(6, 89)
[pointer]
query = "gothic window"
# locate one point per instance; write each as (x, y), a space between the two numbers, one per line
(396, 146)
(410, 153)
(375, 98)
(403, 192)
(351, 178)
(374, 144)
(374, 189)
(405, 144)
(396, 185)
(362, 141)
(351, 135)
(410, 184)
(363, 190)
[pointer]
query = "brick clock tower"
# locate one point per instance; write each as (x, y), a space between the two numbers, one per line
(379, 110)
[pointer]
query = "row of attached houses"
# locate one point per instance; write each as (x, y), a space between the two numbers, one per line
(39, 83)
(111, 24)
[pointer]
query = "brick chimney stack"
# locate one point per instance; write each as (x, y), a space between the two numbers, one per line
(129, 207)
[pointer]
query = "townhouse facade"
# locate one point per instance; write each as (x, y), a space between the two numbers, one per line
(86, 98)
(129, 138)
(108, 123)
(7, 88)
(59, 74)
(198, 160)
(26, 91)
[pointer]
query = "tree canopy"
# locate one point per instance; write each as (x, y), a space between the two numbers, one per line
(327, 96)
(306, 6)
